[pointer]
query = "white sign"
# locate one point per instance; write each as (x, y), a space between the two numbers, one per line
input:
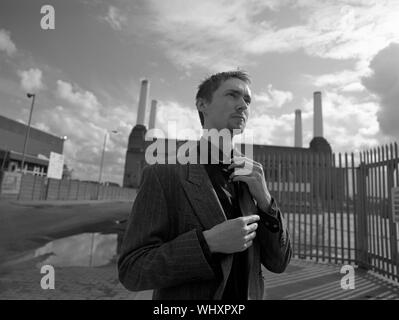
(395, 204)
(56, 166)
(11, 182)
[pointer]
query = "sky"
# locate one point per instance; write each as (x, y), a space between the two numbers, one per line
(86, 72)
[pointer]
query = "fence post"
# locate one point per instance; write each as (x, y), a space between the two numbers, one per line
(362, 256)
(391, 164)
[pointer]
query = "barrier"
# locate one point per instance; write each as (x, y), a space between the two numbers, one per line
(17, 186)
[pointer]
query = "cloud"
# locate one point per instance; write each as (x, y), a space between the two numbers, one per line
(84, 119)
(177, 121)
(42, 126)
(346, 80)
(6, 44)
(273, 98)
(85, 101)
(31, 80)
(348, 123)
(205, 33)
(384, 83)
(353, 87)
(223, 34)
(269, 130)
(331, 29)
(115, 18)
(84, 145)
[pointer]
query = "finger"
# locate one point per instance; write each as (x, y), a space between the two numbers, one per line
(244, 171)
(236, 165)
(239, 159)
(251, 219)
(252, 227)
(250, 236)
(245, 179)
(247, 160)
(244, 165)
(246, 245)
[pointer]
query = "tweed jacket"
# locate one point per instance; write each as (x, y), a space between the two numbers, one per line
(161, 249)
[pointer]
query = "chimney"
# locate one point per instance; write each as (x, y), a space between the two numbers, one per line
(298, 128)
(318, 115)
(153, 114)
(145, 86)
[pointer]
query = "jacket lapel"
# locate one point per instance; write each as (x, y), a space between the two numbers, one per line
(207, 207)
(202, 196)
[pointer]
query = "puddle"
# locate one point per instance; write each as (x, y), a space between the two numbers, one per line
(83, 250)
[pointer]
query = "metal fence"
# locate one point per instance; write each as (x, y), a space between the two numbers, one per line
(339, 207)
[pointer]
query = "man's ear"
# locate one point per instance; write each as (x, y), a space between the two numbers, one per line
(202, 105)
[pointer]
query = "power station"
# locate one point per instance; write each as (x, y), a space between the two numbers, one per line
(137, 144)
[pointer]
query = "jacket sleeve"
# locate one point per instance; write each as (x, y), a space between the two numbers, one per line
(150, 258)
(274, 239)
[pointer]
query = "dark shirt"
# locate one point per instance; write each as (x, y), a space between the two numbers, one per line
(237, 284)
(227, 193)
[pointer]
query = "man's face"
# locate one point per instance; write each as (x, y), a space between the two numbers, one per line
(229, 106)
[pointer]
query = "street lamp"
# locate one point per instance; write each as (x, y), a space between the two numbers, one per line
(102, 156)
(63, 138)
(64, 167)
(29, 95)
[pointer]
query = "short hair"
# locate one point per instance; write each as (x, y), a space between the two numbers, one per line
(213, 82)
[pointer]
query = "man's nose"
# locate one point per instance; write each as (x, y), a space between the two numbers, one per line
(242, 105)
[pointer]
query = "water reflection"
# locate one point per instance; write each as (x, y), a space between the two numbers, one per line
(83, 250)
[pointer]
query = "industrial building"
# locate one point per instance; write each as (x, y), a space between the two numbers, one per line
(39, 146)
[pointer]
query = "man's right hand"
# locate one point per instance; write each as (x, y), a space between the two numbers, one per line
(233, 235)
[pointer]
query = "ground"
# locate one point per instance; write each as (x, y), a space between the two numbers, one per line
(81, 241)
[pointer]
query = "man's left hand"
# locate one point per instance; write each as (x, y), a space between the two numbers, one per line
(251, 172)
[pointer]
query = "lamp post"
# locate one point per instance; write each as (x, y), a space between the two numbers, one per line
(102, 155)
(29, 95)
(102, 163)
(64, 138)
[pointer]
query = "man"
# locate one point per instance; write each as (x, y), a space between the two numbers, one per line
(202, 230)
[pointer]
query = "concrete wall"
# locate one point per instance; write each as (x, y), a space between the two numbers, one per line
(40, 188)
